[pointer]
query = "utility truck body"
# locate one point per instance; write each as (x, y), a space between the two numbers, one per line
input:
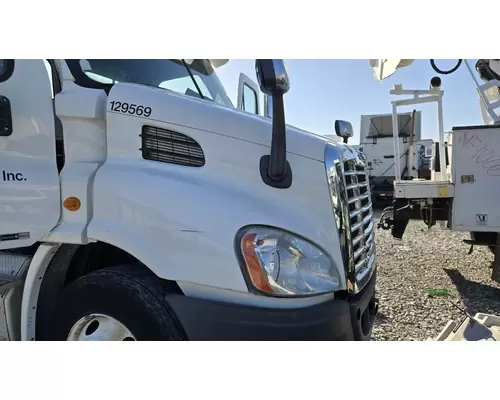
(376, 142)
(137, 203)
(463, 191)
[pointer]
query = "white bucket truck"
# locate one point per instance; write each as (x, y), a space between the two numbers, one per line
(137, 203)
(376, 142)
(463, 190)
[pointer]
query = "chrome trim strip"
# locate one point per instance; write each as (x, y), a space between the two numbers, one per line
(348, 173)
(334, 164)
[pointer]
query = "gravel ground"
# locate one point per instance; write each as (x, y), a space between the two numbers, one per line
(430, 260)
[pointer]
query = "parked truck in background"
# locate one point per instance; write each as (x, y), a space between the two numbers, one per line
(376, 142)
(463, 190)
(138, 203)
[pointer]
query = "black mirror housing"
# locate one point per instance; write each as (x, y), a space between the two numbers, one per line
(272, 76)
(344, 129)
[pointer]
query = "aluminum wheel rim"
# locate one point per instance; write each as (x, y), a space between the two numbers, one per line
(99, 327)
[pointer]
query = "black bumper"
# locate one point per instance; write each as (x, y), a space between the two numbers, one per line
(347, 319)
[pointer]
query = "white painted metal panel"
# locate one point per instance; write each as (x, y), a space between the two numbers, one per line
(476, 158)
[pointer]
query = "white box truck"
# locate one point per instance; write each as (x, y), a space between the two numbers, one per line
(137, 203)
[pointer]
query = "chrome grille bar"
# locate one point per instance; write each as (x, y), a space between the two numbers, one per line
(361, 210)
(355, 227)
(361, 197)
(365, 235)
(357, 185)
(349, 173)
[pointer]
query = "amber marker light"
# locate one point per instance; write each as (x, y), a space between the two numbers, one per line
(72, 203)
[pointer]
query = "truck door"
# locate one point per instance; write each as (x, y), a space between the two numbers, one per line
(29, 178)
(248, 95)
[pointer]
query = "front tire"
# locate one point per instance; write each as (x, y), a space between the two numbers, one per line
(118, 303)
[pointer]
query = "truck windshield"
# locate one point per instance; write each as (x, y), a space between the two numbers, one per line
(191, 77)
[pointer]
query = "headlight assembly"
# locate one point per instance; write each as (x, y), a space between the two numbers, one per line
(281, 263)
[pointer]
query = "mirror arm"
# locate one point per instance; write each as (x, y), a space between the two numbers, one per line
(275, 170)
(277, 163)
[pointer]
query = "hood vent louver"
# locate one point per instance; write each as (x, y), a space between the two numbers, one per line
(170, 147)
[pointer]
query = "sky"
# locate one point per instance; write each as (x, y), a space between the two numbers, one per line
(322, 91)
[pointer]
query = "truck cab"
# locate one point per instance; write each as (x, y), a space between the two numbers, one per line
(138, 203)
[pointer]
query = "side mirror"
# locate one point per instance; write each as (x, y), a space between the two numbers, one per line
(272, 77)
(273, 81)
(344, 129)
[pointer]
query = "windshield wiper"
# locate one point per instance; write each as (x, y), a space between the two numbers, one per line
(192, 78)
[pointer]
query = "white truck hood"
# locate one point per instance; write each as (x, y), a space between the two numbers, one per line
(258, 129)
(211, 117)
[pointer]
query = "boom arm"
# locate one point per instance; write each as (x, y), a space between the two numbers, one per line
(383, 68)
(488, 69)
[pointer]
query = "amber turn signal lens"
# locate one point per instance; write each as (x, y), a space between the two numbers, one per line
(72, 204)
(253, 265)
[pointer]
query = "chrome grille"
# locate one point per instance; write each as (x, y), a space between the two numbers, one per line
(360, 217)
(352, 209)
